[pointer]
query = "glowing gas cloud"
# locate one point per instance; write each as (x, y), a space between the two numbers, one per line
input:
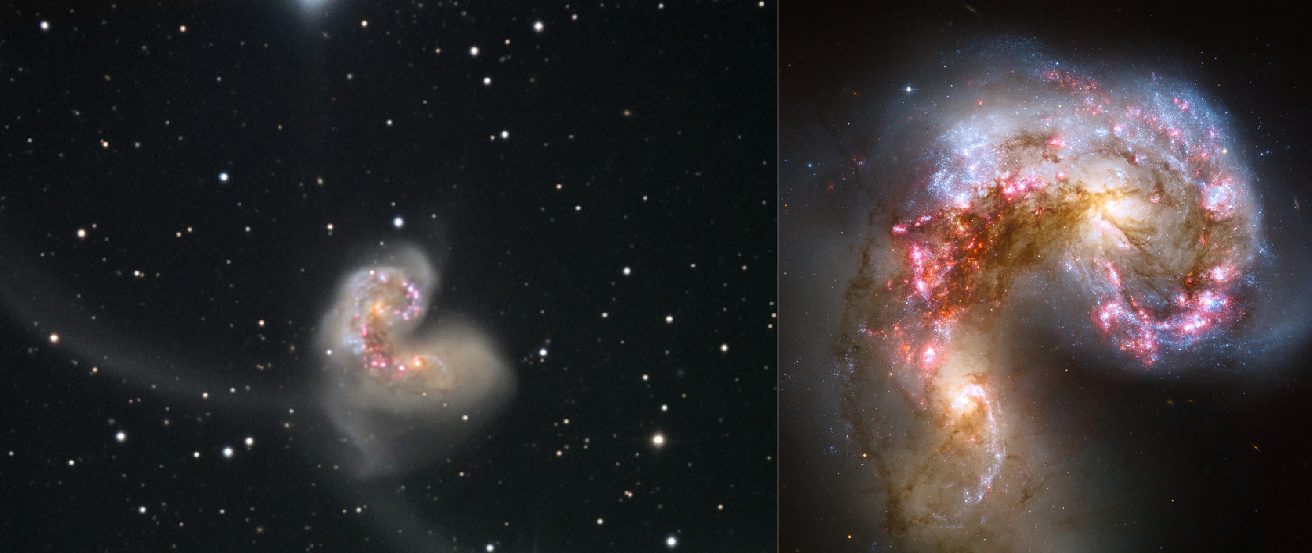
(403, 396)
(1029, 205)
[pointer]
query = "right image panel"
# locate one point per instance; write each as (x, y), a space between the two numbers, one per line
(1044, 277)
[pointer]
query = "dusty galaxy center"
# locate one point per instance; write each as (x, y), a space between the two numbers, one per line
(1111, 207)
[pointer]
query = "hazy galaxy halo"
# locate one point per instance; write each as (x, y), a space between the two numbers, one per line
(401, 395)
(1028, 205)
(401, 389)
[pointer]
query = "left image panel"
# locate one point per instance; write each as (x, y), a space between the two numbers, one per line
(342, 276)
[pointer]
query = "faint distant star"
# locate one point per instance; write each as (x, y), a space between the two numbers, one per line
(627, 271)
(227, 452)
(658, 440)
(54, 338)
(223, 177)
(398, 222)
(121, 436)
(671, 541)
(542, 352)
(537, 26)
(473, 51)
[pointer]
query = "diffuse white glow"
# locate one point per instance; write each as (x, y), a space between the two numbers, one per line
(403, 393)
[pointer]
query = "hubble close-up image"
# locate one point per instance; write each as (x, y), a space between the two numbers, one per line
(1044, 280)
(388, 276)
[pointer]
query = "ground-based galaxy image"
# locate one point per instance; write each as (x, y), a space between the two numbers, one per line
(1044, 280)
(388, 276)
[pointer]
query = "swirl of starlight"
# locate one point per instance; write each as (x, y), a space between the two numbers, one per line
(1110, 208)
(400, 388)
(400, 396)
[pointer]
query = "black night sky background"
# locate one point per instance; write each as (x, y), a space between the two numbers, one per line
(1235, 447)
(195, 178)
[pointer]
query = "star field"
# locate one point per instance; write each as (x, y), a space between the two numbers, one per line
(187, 185)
